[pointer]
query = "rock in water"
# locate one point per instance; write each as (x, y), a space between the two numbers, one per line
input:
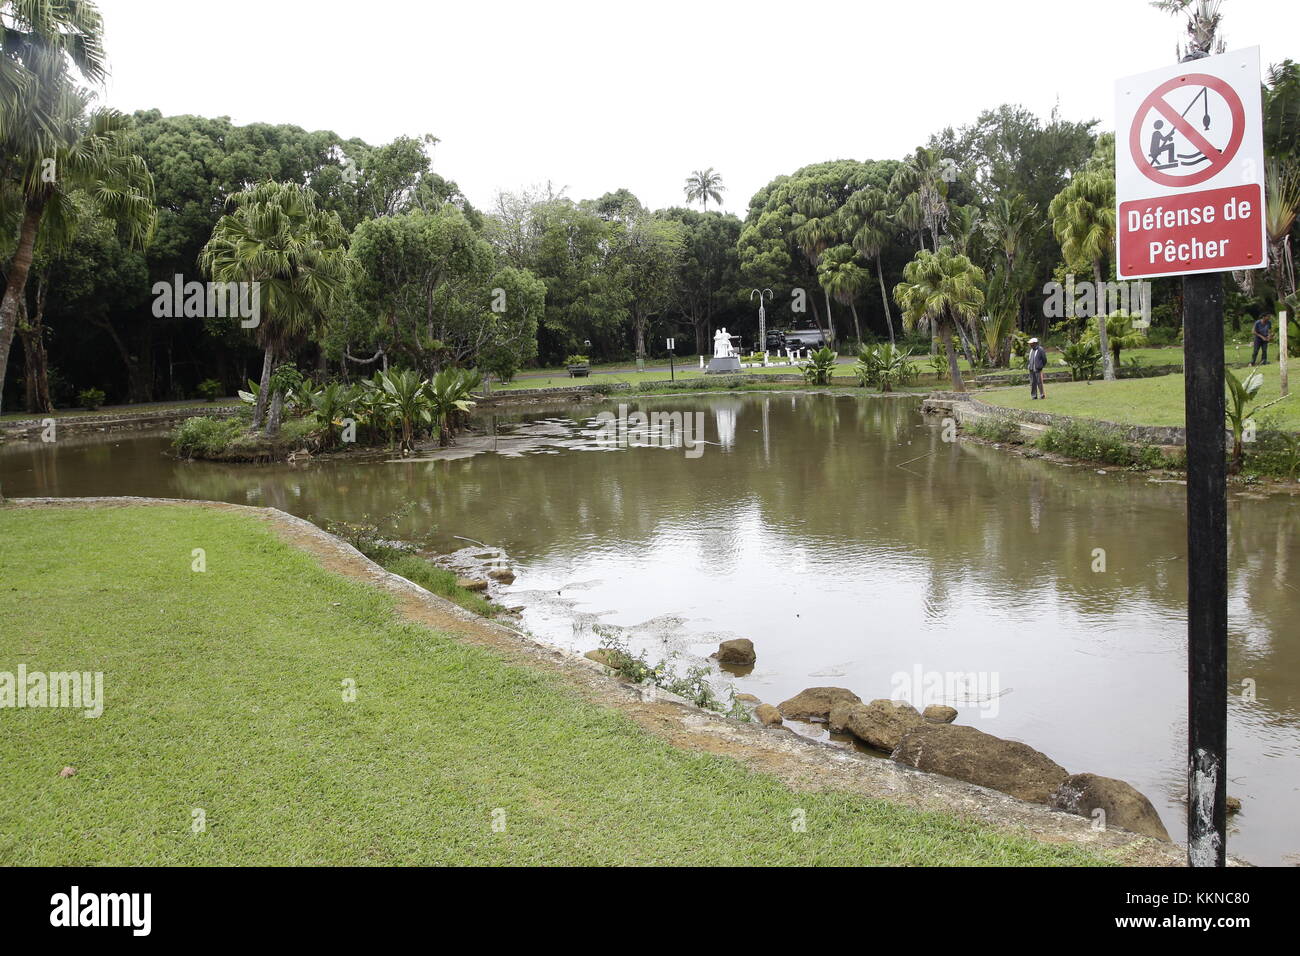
(965, 753)
(1125, 807)
(940, 714)
(882, 723)
(504, 575)
(839, 716)
(767, 715)
(814, 703)
(471, 584)
(738, 651)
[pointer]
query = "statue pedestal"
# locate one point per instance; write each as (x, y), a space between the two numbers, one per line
(723, 365)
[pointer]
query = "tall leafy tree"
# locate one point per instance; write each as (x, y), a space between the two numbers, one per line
(276, 235)
(649, 252)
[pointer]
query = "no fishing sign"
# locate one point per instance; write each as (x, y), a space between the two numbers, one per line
(1189, 168)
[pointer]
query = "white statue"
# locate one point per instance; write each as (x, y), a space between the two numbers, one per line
(722, 344)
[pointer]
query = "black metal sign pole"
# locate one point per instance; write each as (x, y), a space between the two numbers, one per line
(1207, 571)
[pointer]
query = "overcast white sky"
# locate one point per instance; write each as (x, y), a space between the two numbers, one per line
(594, 96)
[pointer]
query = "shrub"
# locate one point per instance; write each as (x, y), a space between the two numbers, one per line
(1162, 335)
(209, 389)
(1274, 453)
(577, 360)
(821, 366)
(1092, 443)
(886, 366)
(204, 437)
(1083, 358)
(1003, 430)
(90, 398)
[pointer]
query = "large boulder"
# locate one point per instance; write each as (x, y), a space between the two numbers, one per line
(815, 703)
(838, 718)
(965, 753)
(940, 714)
(1124, 806)
(738, 651)
(882, 723)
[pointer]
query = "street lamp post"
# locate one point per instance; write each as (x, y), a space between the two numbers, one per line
(762, 316)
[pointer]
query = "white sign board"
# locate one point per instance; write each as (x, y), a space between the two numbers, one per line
(1189, 168)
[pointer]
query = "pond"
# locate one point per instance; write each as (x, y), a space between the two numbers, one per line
(855, 548)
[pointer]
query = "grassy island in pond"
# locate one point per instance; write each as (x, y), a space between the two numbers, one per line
(225, 692)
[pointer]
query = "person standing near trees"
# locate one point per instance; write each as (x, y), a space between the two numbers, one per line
(1262, 335)
(1037, 361)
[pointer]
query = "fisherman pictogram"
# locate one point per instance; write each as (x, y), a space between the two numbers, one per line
(1162, 150)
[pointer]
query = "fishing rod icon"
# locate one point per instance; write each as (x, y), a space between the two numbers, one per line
(1162, 144)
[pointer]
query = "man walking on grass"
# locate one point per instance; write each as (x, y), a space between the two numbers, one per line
(1037, 361)
(1263, 334)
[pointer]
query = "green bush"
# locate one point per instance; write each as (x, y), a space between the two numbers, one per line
(1083, 358)
(90, 398)
(820, 367)
(996, 429)
(1163, 335)
(203, 437)
(209, 389)
(885, 365)
(1092, 443)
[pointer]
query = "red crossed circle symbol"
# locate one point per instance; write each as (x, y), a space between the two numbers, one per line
(1217, 160)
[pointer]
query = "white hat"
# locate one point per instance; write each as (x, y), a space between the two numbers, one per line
(1033, 341)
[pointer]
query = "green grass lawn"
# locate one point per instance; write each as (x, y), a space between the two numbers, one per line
(1144, 401)
(198, 405)
(223, 692)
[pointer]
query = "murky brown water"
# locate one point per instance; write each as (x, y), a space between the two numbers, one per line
(855, 548)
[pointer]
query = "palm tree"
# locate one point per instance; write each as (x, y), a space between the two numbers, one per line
(278, 237)
(449, 396)
(703, 185)
(39, 39)
(1202, 25)
(866, 220)
(1083, 219)
(44, 44)
(844, 279)
(816, 229)
(406, 397)
(945, 288)
(923, 175)
(1010, 225)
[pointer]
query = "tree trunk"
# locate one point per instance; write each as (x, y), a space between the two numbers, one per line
(830, 319)
(16, 287)
(1107, 364)
(953, 371)
(856, 330)
(259, 406)
(36, 358)
(273, 416)
(884, 298)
